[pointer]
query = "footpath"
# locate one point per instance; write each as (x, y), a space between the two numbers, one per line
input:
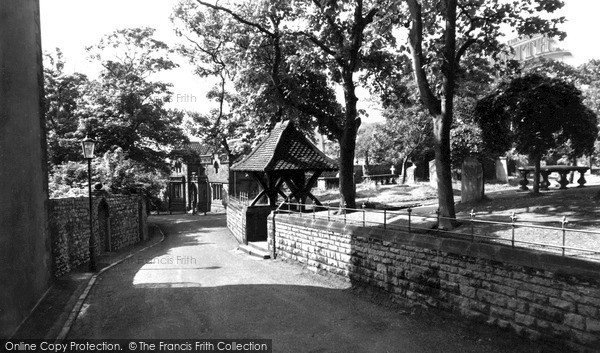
(55, 313)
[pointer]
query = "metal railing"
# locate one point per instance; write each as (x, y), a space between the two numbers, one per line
(563, 240)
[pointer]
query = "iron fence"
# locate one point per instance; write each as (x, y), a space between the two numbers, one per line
(566, 241)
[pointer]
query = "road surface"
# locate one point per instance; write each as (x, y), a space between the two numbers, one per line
(197, 285)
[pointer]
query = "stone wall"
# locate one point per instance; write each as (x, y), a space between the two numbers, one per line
(538, 295)
(236, 210)
(118, 222)
(247, 223)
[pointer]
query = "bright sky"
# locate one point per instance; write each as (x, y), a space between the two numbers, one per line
(72, 25)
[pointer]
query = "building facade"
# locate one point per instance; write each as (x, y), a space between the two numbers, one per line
(199, 183)
(536, 47)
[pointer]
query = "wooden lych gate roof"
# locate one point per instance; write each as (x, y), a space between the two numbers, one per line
(285, 156)
(285, 149)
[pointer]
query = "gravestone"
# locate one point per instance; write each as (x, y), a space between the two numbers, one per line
(472, 180)
(502, 170)
(432, 174)
(410, 175)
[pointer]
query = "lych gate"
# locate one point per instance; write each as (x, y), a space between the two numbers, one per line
(285, 164)
(287, 157)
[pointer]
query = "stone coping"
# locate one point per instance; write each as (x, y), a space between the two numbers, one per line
(534, 259)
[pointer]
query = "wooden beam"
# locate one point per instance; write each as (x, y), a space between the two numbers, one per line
(260, 194)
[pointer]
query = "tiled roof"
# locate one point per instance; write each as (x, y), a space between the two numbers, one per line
(200, 148)
(285, 148)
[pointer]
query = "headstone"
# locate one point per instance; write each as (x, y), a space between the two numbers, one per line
(432, 174)
(472, 180)
(392, 170)
(502, 170)
(410, 175)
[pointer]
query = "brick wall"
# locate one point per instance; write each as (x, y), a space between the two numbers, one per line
(124, 225)
(538, 295)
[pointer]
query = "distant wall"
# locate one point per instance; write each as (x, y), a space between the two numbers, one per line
(24, 243)
(118, 222)
(538, 295)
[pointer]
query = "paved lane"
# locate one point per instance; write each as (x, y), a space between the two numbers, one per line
(196, 284)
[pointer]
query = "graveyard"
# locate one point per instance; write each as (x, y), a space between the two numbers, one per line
(576, 206)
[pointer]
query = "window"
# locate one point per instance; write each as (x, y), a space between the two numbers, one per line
(177, 167)
(177, 190)
(217, 191)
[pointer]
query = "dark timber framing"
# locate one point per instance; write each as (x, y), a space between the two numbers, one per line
(285, 157)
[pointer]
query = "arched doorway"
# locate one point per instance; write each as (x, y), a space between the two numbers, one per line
(104, 225)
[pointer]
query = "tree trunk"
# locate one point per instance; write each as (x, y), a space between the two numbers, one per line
(443, 123)
(404, 169)
(441, 136)
(348, 143)
(536, 175)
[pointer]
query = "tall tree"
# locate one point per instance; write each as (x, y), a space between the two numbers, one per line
(537, 113)
(440, 34)
(63, 94)
(306, 40)
(126, 105)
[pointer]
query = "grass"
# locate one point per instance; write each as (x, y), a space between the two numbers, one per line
(580, 207)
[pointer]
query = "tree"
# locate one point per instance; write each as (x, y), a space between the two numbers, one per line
(63, 94)
(126, 107)
(541, 113)
(304, 41)
(365, 139)
(405, 134)
(589, 74)
(124, 110)
(440, 34)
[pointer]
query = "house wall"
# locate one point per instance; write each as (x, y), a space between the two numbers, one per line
(537, 295)
(70, 231)
(24, 242)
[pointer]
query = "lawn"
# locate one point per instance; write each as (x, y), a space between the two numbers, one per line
(534, 214)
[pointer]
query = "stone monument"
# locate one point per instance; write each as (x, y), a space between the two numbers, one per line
(432, 174)
(501, 170)
(472, 180)
(410, 175)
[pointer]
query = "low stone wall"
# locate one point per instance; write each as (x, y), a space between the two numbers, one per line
(236, 221)
(538, 295)
(247, 223)
(118, 222)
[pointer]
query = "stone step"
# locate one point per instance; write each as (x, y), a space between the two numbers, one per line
(255, 250)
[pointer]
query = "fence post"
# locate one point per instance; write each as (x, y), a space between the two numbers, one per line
(328, 211)
(437, 212)
(363, 208)
(513, 219)
(344, 210)
(409, 212)
(472, 215)
(313, 207)
(564, 231)
(384, 219)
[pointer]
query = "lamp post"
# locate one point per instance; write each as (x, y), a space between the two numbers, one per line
(87, 145)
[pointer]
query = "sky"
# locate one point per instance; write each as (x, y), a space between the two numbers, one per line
(71, 25)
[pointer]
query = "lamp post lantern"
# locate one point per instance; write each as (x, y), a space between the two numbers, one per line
(87, 145)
